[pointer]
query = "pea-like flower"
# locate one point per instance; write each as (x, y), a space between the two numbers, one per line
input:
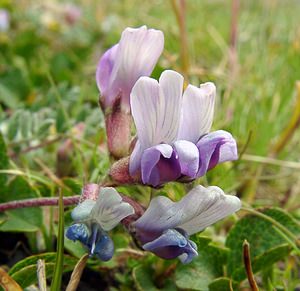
(118, 69)
(174, 141)
(93, 219)
(165, 227)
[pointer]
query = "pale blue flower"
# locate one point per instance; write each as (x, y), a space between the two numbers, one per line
(165, 227)
(93, 219)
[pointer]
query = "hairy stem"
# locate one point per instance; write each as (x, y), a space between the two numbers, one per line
(35, 202)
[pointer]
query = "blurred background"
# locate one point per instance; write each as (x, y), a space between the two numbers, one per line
(49, 51)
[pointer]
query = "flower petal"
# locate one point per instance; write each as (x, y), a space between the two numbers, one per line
(110, 209)
(135, 158)
(205, 206)
(170, 237)
(195, 211)
(139, 51)
(144, 100)
(156, 108)
(78, 231)
(214, 148)
(197, 111)
(103, 75)
(104, 248)
(159, 165)
(171, 244)
(161, 215)
(134, 56)
(188, 157)
(83, 210)
(169, 109)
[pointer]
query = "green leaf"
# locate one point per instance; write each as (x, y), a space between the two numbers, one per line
(8, 97)
(26, 124)
(13, 125)
(267, 245)
(202, 270)
(74, 185)
(265, 260)
(16, 224)
(26, 219)
(142, 278)
(43, 129)
(3, 162)
(222, 284)
(24, 272)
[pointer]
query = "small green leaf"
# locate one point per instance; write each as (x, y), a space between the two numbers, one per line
(44, 128)
(8, 97)
(26, 124)
(74, 185)
(16, 224)
(260, 262)
(222, 284)
(202, 270)
(142, 278)
(267, 245)
(26, 219)
(24, 272)
(13, 125)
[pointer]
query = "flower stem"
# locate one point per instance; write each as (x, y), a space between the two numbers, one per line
(248, 267)
(35, 202)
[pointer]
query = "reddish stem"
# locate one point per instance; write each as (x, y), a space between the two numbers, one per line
(35, 202)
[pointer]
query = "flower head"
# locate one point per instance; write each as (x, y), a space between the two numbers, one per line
(173, 130)
(94, 218)
(165, 227)
(120, 67)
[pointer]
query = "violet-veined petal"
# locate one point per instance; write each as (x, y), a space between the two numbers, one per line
(197, 111)
(205, 206)
(169, 107)
(195, 211)
(135, 158)
(216, 147)
(83, 210)
(159, 165)
(103, 75)
(144, 102)
(162, 214)
(188, 157)
(110, 209)
(139, 51)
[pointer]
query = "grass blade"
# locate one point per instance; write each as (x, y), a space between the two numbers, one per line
(58, 270)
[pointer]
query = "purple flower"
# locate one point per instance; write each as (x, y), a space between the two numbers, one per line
(165, 227)
(94, 218)
(173, 130)
(120, 67)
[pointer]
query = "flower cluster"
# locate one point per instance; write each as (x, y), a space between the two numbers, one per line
(174, 143)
